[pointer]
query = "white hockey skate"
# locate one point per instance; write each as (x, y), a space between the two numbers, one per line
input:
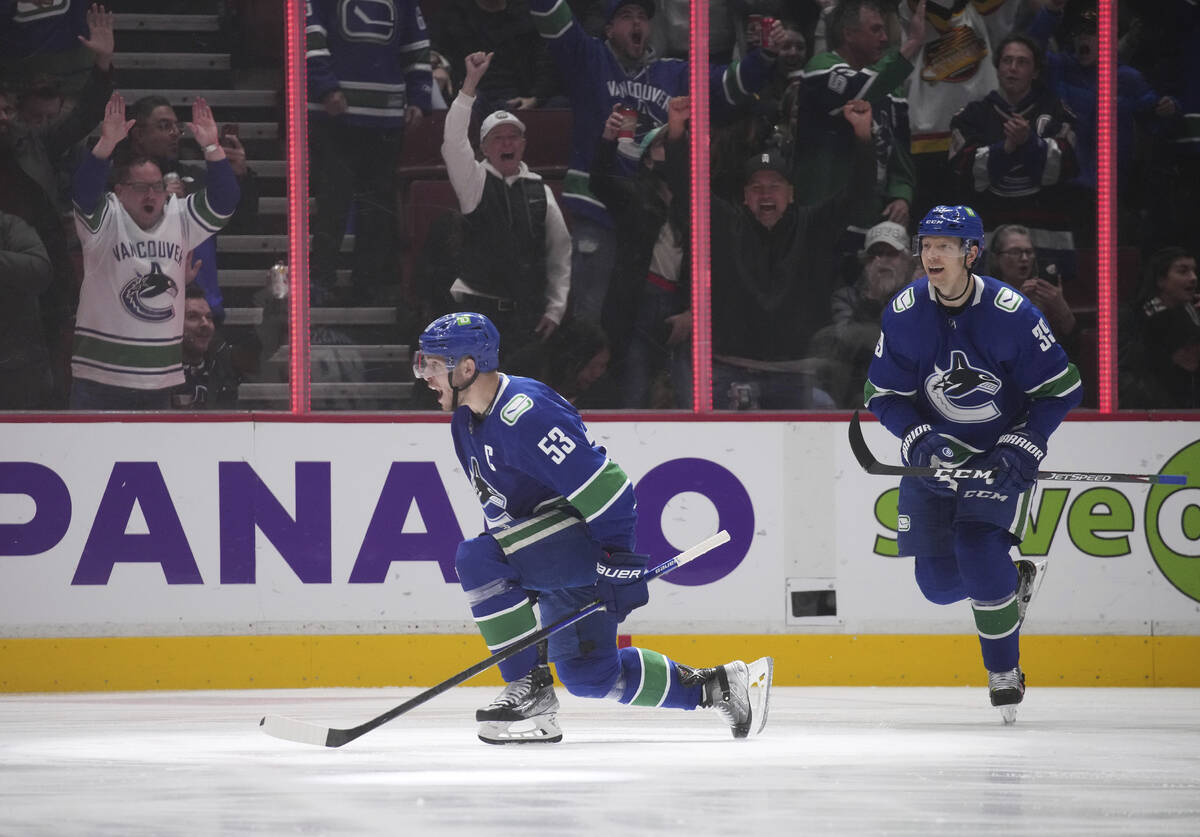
(1007, 690)
(526, 711)
(1029, 580)
(740, 693)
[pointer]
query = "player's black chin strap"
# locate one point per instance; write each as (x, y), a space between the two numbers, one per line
(951, 299)
(457, 390)
(966, 285)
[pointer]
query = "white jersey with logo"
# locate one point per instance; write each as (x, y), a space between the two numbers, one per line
(129, 327)
(955, 65)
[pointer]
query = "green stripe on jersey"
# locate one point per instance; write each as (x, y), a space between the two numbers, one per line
(731, 82)
(129, 355)
(575, 183)
(996, 621)
(208, 217)
(93, 221)
(598, 493)
(553, 23)
(1058, 385)
(656, 679)
(507, 626)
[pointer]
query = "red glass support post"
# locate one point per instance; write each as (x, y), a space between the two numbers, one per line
(701, 251)
(1106, 212)
(296, 96)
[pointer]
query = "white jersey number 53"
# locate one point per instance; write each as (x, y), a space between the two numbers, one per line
(556, 445)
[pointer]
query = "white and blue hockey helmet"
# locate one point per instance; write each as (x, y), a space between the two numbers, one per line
(954, 221)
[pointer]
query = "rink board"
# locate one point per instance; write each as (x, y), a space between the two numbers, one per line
(283, 553)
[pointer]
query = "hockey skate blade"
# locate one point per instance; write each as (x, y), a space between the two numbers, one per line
(289, 729)
(1008, 714)
(540, 729)
(762, 672)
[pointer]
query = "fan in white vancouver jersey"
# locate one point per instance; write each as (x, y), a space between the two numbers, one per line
(129, 326)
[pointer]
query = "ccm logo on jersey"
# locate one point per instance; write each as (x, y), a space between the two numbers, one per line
(985, 495)
(617, 572)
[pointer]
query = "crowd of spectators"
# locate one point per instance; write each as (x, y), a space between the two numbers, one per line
(834, 125)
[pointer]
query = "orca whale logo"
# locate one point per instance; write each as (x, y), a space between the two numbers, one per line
(963, 393)
(150, 296)
(495, 504)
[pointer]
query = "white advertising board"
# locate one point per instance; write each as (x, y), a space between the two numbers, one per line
(110, 529)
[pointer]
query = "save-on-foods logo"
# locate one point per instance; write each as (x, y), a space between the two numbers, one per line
(1100, 521)
(1173, 524)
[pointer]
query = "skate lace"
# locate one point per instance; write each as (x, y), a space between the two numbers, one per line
(515, 692)
(998, 680)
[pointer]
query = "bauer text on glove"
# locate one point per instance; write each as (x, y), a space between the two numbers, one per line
(621, 582)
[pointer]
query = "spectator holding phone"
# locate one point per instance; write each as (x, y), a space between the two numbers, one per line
(1016, 264)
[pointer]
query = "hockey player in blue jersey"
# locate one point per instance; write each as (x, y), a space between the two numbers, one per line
(560, 518)
(966, 368)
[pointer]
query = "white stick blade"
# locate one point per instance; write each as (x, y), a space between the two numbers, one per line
(290, 729)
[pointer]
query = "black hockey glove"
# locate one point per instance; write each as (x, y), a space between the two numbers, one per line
(621, 582)
(922, 448)
(1015, 460)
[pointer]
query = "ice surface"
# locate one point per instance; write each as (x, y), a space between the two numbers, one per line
(831, 761)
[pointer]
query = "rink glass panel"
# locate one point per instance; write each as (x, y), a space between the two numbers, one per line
(361, 346)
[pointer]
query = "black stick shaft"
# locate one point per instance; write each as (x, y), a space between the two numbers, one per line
(310, 734)
(873, 466)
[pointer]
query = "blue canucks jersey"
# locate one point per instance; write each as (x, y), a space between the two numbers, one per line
(973, 373)
(530, 451)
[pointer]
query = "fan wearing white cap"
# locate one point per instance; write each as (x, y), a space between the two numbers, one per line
(515, 262)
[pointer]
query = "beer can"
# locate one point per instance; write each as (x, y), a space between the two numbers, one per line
(278, 283)
(764, 31)
(170, 179)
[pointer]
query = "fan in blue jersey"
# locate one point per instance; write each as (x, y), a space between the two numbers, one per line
(966, 368)
(560, 518)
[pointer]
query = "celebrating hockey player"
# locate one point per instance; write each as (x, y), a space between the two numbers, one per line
(966, 368)
(560, 518)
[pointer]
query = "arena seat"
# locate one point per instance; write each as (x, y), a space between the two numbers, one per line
(421, 156)
(547, 140)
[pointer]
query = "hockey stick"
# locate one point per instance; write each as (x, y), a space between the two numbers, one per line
(873, 466)
(306, 733)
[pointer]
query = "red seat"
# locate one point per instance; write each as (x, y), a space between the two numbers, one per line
(547, 140)
(431, 10)
(421, 156)
(424, 202)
